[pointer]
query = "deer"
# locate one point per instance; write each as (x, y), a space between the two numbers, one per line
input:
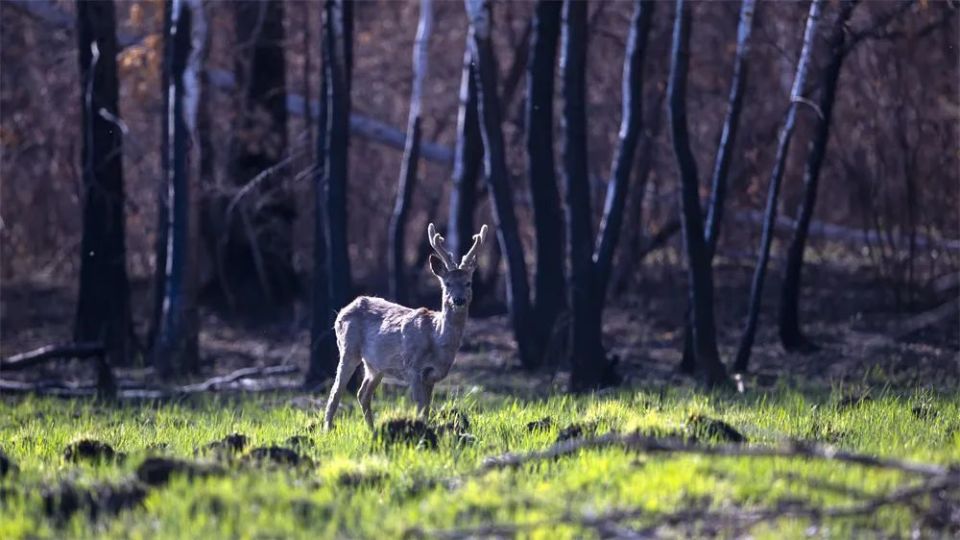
(415, 346)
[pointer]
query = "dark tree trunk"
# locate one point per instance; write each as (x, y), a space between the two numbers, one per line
(721, 163)
(590, 368)
(466, 164)
(495, 165)
(731, 124)
(550, 287)
(411, 158)
(331, 272)
(176, 349)
(163, 204)
(698, 265)
(790, 333)
(776, 178)
(323, 347)
(254, 244)
(631, 124)
(103, 301)
(339, 69)
(637, 244)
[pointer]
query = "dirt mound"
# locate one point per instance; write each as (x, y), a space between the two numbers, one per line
(157, 471)
(700, 427)
(576, 431)
(229, 445)
(6, 464)
(91, 450)
(354, 479)
(853, 402)
(824, 431)
(105, 499)
(407, 431)
(453, 421)
(543, 424)
(277, 455)
(925, 412)
(299, 442)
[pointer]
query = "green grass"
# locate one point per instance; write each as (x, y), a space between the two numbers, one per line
(356, 488)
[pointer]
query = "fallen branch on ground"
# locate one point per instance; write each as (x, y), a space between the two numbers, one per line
(27, 359)
(740, 520)
(645, 443)
(937, 479)
(155, 392)
(244, 373)
(925, 319)
(839, 233)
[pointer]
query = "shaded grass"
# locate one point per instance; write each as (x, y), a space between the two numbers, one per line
(355, 487)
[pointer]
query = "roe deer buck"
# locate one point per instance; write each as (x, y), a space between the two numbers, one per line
(415, 346)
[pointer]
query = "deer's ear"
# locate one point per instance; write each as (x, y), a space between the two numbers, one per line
(437, 267)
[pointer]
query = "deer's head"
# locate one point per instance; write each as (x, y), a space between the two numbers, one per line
(455, 279)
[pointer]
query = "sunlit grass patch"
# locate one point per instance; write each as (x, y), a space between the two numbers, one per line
(348, 485)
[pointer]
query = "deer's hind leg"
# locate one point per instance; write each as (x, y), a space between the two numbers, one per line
(349, 361)
(365, 394)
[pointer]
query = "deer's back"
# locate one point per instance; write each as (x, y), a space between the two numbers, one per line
(386, 333)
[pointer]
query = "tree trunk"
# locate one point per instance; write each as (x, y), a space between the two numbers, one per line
(103, 300)
(466, 164)
(339, 68)
(324, 355)
(637, 244)
(698, 265)
(176, 348)
(631, 123)
(550, 287)
(776, 178)
(495, 165)
(331, 267)
(163, 204)
(254, 253)
(589, 364)
(790, 333)
(721, 163)
(411, 158)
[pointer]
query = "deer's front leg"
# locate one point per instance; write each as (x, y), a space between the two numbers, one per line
(428, 391)
(421, 392)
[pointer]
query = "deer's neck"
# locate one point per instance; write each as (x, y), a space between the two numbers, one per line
(450, 327)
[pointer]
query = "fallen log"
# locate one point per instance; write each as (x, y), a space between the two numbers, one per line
(244, 373)
(80, 351)
(125, 390)
(839, 233)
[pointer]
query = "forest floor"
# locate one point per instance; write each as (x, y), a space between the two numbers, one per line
(661, 458)
(865, 338)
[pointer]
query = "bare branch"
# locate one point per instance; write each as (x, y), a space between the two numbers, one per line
(51, 352)
(644, 443)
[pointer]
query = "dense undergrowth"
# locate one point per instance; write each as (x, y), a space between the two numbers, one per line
(281, 476)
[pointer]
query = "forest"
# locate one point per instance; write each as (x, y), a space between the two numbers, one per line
(593, 268)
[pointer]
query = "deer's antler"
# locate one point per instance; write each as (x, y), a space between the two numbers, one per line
(436, 242)
(470, 259)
